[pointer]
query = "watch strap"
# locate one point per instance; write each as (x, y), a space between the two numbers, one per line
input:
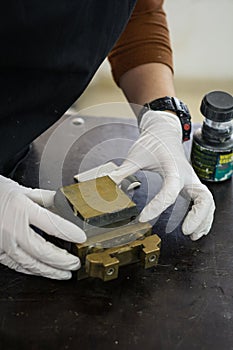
(171, 104)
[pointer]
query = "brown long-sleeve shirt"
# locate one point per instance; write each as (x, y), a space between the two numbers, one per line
(144, 40)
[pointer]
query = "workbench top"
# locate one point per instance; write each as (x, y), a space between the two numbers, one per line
(186, 302)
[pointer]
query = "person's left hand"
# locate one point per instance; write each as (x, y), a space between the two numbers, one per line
(159, 149)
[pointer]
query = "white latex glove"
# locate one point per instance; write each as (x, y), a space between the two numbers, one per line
(159, 149)
(21, 248)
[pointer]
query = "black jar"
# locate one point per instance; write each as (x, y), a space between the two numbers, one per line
(212, 148)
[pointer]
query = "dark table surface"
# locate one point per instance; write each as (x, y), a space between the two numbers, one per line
(186, 302)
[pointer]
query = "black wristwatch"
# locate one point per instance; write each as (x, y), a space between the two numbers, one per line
(170, 104)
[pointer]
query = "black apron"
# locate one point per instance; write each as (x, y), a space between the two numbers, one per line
(50, 50)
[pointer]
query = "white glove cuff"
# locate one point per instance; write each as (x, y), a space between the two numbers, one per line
(161, 120)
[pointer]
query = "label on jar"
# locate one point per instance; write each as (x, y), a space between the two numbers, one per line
(211, 165)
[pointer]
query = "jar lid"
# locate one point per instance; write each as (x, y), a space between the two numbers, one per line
(217, 106)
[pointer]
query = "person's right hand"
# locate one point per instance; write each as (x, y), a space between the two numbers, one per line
(159, 149)
(21, 248)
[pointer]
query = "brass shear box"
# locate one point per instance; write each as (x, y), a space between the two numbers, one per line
(109, 218)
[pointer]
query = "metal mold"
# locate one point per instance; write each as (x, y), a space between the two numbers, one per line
(101, 208)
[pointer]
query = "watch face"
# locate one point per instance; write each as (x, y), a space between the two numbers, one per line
(162, 104)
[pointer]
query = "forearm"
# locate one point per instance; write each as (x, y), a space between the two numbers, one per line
(141, 60)
(147, 82)
(143, 48)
